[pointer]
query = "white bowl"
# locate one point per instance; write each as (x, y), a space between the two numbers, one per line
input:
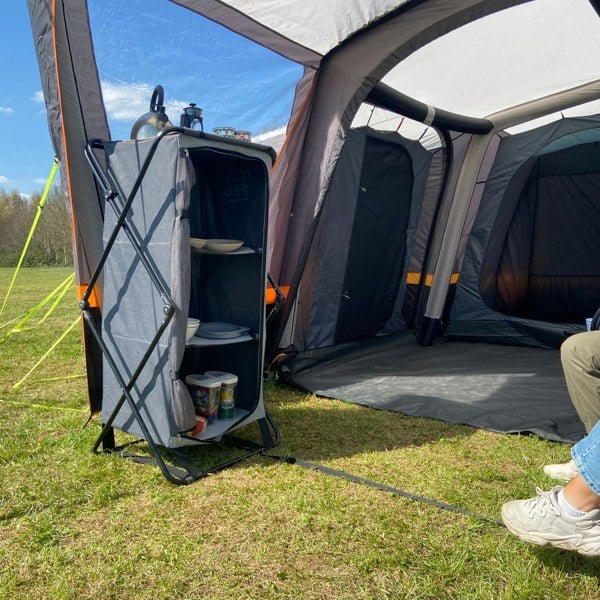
(222, 246)
(191, 328)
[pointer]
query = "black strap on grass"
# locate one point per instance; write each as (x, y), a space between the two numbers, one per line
(305, 464)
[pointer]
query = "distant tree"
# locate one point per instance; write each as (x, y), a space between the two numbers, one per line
(14, 216)
(51, 242)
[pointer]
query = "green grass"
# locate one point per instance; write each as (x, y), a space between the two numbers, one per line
(77, 525)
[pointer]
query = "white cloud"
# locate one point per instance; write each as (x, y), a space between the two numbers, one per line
(7, 110)
(38, 97)
(273, 138)
(4, 179)
(128, 101)
(40, 180)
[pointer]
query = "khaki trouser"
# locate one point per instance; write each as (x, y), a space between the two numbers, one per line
(580, 357)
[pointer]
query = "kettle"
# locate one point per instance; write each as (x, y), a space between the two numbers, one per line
(150, 124)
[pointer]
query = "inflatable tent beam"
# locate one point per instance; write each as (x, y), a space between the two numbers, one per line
(383, 96)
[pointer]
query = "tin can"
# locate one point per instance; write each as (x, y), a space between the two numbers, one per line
(205, 392)
(226, 393)
(244, 135)
(228, 132)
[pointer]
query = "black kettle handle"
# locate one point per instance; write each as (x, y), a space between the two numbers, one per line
(158, 96)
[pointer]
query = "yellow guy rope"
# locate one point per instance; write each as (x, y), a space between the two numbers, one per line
(33, 226)
(57, 295)
(37, 364)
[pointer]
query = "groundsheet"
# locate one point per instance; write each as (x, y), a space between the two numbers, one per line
(501, 388)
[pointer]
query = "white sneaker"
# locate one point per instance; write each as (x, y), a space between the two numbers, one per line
(562, 471)
(540, 521)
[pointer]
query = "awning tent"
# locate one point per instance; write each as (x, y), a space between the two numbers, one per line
(460, 76)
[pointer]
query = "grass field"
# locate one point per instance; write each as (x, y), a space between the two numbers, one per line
(77, 525)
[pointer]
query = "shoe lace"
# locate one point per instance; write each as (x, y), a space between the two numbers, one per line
(541, 505)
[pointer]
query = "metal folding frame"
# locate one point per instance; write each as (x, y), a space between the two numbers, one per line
(121, 204)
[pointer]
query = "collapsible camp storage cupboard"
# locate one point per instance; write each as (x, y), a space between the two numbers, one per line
(160, 193)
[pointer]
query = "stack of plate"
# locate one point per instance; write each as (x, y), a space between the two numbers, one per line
(221, 331)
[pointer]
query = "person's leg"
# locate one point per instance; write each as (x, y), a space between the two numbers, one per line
(580, 358)
(580, 495)
(586, 456)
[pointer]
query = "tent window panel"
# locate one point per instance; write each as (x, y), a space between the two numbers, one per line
(565, 264)
(513, 271)
(566, 226)
(377, 250)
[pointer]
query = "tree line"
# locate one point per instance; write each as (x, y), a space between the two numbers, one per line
(51, 244)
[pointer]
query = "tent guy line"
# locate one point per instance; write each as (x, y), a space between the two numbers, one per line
(312, 466)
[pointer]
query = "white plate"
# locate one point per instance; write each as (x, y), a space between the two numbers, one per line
(218, 330)
(222, 246)
(197, 243)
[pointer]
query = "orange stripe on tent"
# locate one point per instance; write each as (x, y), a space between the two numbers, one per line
(65, 156)
(415, 279)
(93, 300)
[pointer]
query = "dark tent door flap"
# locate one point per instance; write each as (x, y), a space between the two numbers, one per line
(377, 250)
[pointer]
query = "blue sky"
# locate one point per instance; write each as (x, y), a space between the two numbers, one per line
(26, 153)
(139, 44)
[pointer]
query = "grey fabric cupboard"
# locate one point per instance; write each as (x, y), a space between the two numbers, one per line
(160, 193)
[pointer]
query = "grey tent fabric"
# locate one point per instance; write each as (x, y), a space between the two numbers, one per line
(359, 257)
(131, 296)
(182, 408)
(76, 114)
(530, 271)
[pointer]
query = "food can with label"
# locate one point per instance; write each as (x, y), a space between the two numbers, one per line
(225, 131)
(205, 392)
(226, 393)
(243, 135)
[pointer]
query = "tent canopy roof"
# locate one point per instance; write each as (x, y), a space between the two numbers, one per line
(525, 50)
(505, 59)
(302, 31)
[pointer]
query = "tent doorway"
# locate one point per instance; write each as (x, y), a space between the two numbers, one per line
(550, 263)
(377, 249)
